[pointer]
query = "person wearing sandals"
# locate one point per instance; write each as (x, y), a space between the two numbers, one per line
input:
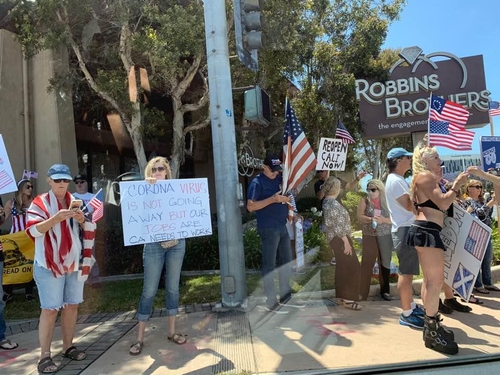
(482, 209)
(156, 255)
(5, 344)
(374, 214)
(60, 260)
(431, 201)
(338, 232)
(16, 209)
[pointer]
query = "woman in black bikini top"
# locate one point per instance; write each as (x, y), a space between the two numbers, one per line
(424, 235)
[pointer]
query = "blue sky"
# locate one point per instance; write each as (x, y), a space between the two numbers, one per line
(462, 27)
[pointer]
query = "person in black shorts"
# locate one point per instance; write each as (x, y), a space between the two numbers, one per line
(431, 201)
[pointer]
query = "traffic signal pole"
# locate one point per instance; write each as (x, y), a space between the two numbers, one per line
(231, 252)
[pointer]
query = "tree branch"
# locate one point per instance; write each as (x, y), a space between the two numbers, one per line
(197, 125)
(81, 63)
(188, 78)
(201, 103)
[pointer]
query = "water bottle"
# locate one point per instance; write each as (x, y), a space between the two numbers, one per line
(374, 224)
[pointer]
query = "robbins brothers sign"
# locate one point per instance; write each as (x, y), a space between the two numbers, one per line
(401, 104)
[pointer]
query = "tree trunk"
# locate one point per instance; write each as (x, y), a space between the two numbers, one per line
(177, 156)
(133, 126)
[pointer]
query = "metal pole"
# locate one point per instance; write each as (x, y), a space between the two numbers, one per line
(231, 253)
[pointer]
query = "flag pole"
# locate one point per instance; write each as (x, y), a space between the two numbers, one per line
(95, 195)
(429, 121)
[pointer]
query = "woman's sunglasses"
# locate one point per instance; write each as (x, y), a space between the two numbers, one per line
(59, 180)
(29, 186)
(476, 186)
(159, 169)
(373, 190)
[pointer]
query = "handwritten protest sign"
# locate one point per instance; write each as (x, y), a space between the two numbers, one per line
(166, 210)
(299, 242)
(466, 239)
(7, 181)
(332, 154)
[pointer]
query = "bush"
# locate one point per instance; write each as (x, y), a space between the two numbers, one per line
(350, 202)
(305, 204)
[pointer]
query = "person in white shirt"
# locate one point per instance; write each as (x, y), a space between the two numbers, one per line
(82, 192)
(400, 206)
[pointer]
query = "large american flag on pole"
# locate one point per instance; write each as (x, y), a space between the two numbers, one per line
(298, 155)
(494, 108)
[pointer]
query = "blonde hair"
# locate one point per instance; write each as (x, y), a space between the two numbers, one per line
(158, 159)
(474, 182)
(381, 188)
(421, 153)
(331, 186)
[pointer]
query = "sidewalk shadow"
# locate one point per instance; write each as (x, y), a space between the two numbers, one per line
(182, 355)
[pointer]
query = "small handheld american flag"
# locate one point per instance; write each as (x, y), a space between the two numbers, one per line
(97, 204)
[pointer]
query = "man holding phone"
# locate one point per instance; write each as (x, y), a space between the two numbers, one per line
(83, 197)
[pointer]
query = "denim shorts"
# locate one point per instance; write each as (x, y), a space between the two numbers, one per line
(407, 255)
(57, 292)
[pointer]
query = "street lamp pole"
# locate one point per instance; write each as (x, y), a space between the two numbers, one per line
(231, 252)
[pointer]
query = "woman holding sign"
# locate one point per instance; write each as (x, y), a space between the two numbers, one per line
(156, 255)
(431, 202)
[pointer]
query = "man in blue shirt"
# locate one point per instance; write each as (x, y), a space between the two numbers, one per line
(265, 199)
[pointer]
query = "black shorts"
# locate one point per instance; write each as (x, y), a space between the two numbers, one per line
(425, 234)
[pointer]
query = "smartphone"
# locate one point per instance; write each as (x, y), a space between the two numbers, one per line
(76, 204)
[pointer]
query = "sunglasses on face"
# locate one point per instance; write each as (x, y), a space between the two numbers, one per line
(80, 182)
(159, 169)
(29, 186)
(476, 186)
(373, 190)
(59, 180)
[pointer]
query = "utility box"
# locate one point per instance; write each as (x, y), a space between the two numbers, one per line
(258, 106)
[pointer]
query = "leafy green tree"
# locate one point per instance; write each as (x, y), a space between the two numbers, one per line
(111, 38)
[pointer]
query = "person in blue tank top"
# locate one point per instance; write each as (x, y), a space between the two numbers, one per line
(271, 209)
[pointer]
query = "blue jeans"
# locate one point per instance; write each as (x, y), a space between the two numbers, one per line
(276, 247)
(154, 257)
(3, 326)
(484, 276)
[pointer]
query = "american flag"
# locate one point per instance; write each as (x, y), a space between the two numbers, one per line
(494, 108)
(477, 241)
(5, 179)
(97, 204)
(298, 155)
(442, 133)
(444, 110)
(29, 174)
(343, 133)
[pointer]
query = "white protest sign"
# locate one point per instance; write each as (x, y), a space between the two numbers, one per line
(299, 242)
(166, 210)
(466, 239)
(332, 154)
(7, 181)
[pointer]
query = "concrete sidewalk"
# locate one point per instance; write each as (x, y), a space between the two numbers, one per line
(321, 336)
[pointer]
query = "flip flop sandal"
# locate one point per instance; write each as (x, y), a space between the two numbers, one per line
(492, 287)
(44, 364)
(482, 290)
(8, 345)
(136, 348)
(73, 353)
(178, 339)
(352, 305)
(475, 300)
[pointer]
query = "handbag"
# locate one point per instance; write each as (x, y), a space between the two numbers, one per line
(169, 244)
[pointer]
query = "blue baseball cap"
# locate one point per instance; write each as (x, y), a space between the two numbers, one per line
(397, 153)
(59, 172)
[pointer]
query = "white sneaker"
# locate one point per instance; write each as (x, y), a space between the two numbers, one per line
(288, 303)
(333, 262)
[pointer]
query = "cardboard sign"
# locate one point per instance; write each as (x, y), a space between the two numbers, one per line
(166, 210)
(299, 242)
(7, 181)
(490, 148)
(19, 253)
(332, 154)
(466, 239)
